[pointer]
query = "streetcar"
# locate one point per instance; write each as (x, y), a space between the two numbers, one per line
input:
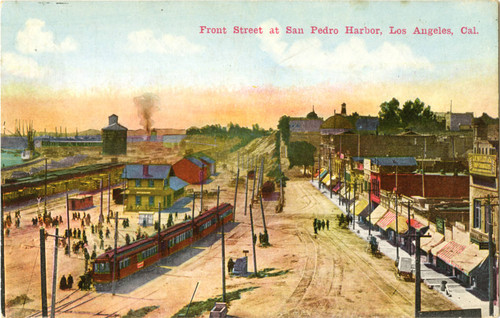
(144, 253)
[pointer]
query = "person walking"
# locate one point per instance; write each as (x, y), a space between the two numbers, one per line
(70, 281)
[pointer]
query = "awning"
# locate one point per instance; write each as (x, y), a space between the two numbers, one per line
(360, 206)
(470, 258)
(322, 170)
(337, 187)
(323, 173)
(428, 243)
(438, 247)
(326, 179)
(386, 220)
(449, 251)
(377, 214)
(415, 224)
(366, 211)
(402, 226)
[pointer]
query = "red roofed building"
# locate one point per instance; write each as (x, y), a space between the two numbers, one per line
(192, 170)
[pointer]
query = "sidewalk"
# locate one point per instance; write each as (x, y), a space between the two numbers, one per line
(459, 295)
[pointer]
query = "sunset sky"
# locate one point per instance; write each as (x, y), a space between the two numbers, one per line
(74, 64)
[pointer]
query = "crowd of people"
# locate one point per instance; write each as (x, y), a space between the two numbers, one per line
(320, 225)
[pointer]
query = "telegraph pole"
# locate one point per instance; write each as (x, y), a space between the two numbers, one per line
(254, 177)
(491, 256)
(246, 192)
(396, 235)
(101, 216)
(331, 172)
(253, 243)
(2, 261)
(43, 273)
(45, 199)
(354, 208)
(223, 251)
(263, 217)
(67, 216)
(54, 276)
(371, 209)
(236, 190)
(109, 193)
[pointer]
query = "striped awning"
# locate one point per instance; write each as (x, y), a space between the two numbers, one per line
(326, 178)
(449, 251)
(337, 187)
(360, 206)
(415, 224)
(386, 220)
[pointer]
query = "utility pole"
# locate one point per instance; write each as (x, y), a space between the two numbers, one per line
(45, 199)
(246, 192)
(319, 170)
(354, 208)
(418, 234)
(253, 243)
(113, 279)
(109, 193)
(371, 209)
(491, 286)
(331, 172)
(54, 276)
(409, 229)
(254, 177)
(192, 211)
(101, 216)
(159, 229)
(263, 217)
(396, 235)
(43, 273)
(67, 217)
(2, 260)
(223, 251)
(236, 190)
(201, 190)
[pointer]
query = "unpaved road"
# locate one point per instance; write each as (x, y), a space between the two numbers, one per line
(331, 274)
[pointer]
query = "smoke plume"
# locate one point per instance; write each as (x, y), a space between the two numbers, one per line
(146, 105)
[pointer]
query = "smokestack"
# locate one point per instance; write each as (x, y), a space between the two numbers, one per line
(344, 109)
(145, 170)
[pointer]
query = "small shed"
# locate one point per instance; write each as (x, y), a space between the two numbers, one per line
(81, 202)
(145, 219)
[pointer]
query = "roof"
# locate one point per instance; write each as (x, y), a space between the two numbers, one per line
(177, 183)
(394, 161)
(115, 126)
(195, 161)
(428, 243)
(207, 159)
(415, 224)
(367, 123)
(154, 172)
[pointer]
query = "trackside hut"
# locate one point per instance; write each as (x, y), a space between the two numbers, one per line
(150, 185)
(192, 170)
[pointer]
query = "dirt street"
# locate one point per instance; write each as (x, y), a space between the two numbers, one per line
(330, 274)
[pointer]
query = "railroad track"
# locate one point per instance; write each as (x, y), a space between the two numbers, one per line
(66, 305)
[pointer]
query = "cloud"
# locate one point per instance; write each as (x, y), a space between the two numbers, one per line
(22, 66)
(351, 56)
(146, 41)
(32, 39)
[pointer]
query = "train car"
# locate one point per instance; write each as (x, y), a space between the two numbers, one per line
(225, 213)
(141, 254)
(130, 259)
(176, 238)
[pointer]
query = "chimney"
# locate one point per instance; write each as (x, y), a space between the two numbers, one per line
(145, 170)
(344, 109)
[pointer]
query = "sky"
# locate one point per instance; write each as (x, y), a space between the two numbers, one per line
(72, 64)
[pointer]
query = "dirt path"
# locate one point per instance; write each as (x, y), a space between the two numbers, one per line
(331, 274)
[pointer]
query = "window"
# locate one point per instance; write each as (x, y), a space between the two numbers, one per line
(151, 183)
(125, 263)
(151, 200)
(101, 268)
(165, 183)
(487, 215)
(477, 214)
(137, 183)
(137, 200)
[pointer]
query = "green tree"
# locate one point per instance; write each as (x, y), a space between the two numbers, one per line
(389, 115)
(301, 153)
(284, 128)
